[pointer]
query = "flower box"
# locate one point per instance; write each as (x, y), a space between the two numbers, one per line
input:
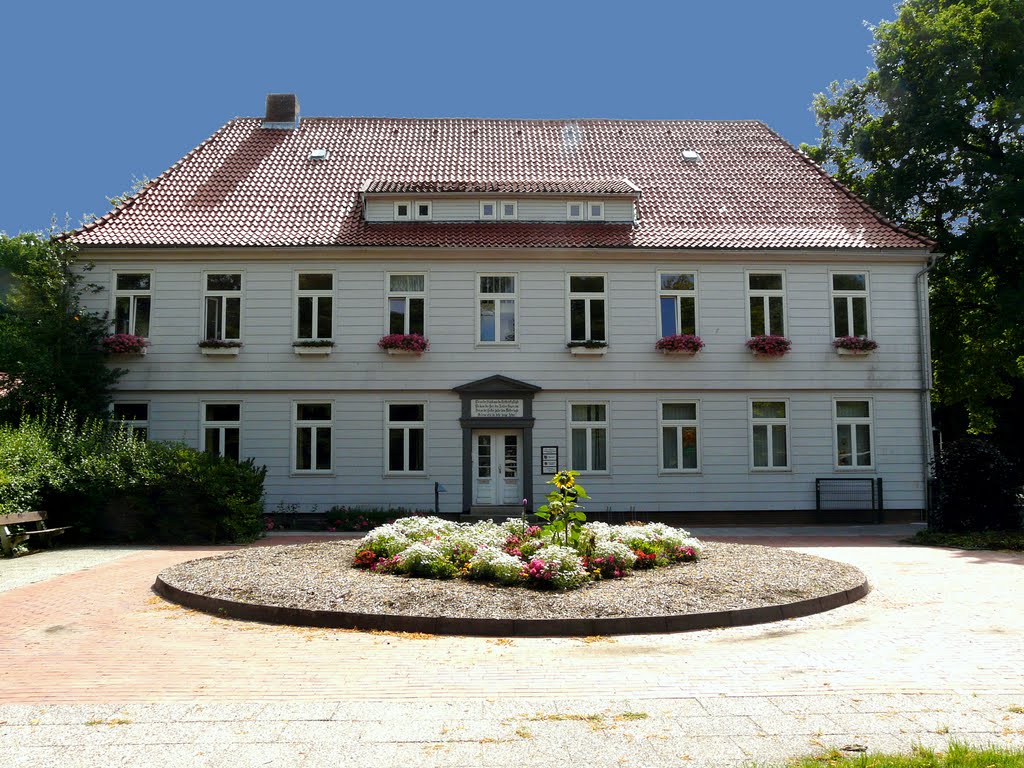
(769, 346)
(680, 345)
(854, 345)
(589, 348)
(320, 347)
(219, 347)
(125, 344)
(404, 344)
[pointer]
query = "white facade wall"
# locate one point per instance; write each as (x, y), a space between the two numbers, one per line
(267, 377)
(547, 209)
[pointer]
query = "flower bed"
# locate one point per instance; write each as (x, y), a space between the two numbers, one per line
(517, 554)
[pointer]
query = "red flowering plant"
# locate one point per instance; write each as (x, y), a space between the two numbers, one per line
(608, 567)
(855, 343)
(405, 342)
(684, 554)
(366, 558)
(769, 346)
(124, 344)
(680, 342)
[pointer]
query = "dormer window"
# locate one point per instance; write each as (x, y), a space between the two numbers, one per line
(488, 210)
(423, 210)
(509, 210)
(574, 211)
(595, 211)
(403, 211)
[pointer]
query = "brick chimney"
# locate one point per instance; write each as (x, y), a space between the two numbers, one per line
(282, 111)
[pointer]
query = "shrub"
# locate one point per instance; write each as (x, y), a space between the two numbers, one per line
(426, 559)
(492, 564)
(558, 567)
(977, 488)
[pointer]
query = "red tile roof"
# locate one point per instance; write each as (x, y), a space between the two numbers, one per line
(250, 186)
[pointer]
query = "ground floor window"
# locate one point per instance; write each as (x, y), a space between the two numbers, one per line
(222, 429)
(853, 433)
(406, 431)
(588, 436)
(679, 446)
(769, 434)
(313, 423)
(133, 417)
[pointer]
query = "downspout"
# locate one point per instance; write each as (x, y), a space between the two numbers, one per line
(925, 351)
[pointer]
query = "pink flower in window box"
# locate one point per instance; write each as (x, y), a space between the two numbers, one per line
(769, 346)
(404, 343)
(679, 344)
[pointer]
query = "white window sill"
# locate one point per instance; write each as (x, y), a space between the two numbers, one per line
(588, 351)
(312, 473)
(853, 352)
(853, 469)
(678, 353)
(404, 353)
(317, 351)
(400, 475)
(771, 469)
(680, 472)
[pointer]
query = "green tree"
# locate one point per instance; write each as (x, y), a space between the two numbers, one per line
(48, 344)
(933, 137)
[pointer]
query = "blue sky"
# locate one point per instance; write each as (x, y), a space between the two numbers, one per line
(96, 94)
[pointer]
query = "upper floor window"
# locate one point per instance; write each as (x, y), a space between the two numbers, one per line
(595, 210)
(766, 303)
(677, 302)
(587, 299)
(853, 433)
(407, 298)
(133, 417)
(769, 434)
(488, 210)
(509, 210)
(223, 302)
(574, 210)
(588, 436)
(222, 429)
(578, 210)
(679, 451)
(406, 430)
(132, 300)
(423, 210)
(314, 305)
(850, 304)
(497, 304)
(313, 424)
(403, 211)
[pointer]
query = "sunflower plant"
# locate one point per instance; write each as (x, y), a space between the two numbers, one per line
(562, 514)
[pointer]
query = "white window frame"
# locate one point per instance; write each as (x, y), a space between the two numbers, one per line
(205, 424)
(678, 425)
(769, 422)
(494, 210)
(510, 216)
(849, 296)
(591, 216)
(224, 295)
(132, 294)
(764, 293)
(496, 298)
(852, 422)
(315, 295)
(589, 426)
(423, 216)
(677, 295)
(587, 295)
(314, 425)
(134, 425)
(405, 426)
(389, 294)
(568, 210)
(408, 207)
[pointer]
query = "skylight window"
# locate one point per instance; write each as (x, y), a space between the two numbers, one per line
(318, 154)
(691, 155)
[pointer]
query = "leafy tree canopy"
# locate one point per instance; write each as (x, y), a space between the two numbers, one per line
(934, 138)
(48, 344)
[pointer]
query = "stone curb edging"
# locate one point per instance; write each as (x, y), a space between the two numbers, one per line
(639, 625)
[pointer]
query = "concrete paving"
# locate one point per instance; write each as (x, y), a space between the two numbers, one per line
(99, 671)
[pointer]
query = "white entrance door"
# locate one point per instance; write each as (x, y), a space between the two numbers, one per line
(497, 478)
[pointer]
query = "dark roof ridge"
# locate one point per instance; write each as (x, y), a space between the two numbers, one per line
(853, 195)
(647, 121)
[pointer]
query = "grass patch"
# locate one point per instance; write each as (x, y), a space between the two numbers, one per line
(563, 718)
(1006, 540)
(632, 716)
(957, 756)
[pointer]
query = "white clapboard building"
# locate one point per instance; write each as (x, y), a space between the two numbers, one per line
(542, 260)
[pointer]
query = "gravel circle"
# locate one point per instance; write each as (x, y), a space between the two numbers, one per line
(320, 577)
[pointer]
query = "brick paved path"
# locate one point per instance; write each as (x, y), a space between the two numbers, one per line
(942, 623)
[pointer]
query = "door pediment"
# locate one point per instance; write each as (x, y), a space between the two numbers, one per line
(497, 385)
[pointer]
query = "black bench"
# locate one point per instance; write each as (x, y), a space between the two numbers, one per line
(17, 528)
